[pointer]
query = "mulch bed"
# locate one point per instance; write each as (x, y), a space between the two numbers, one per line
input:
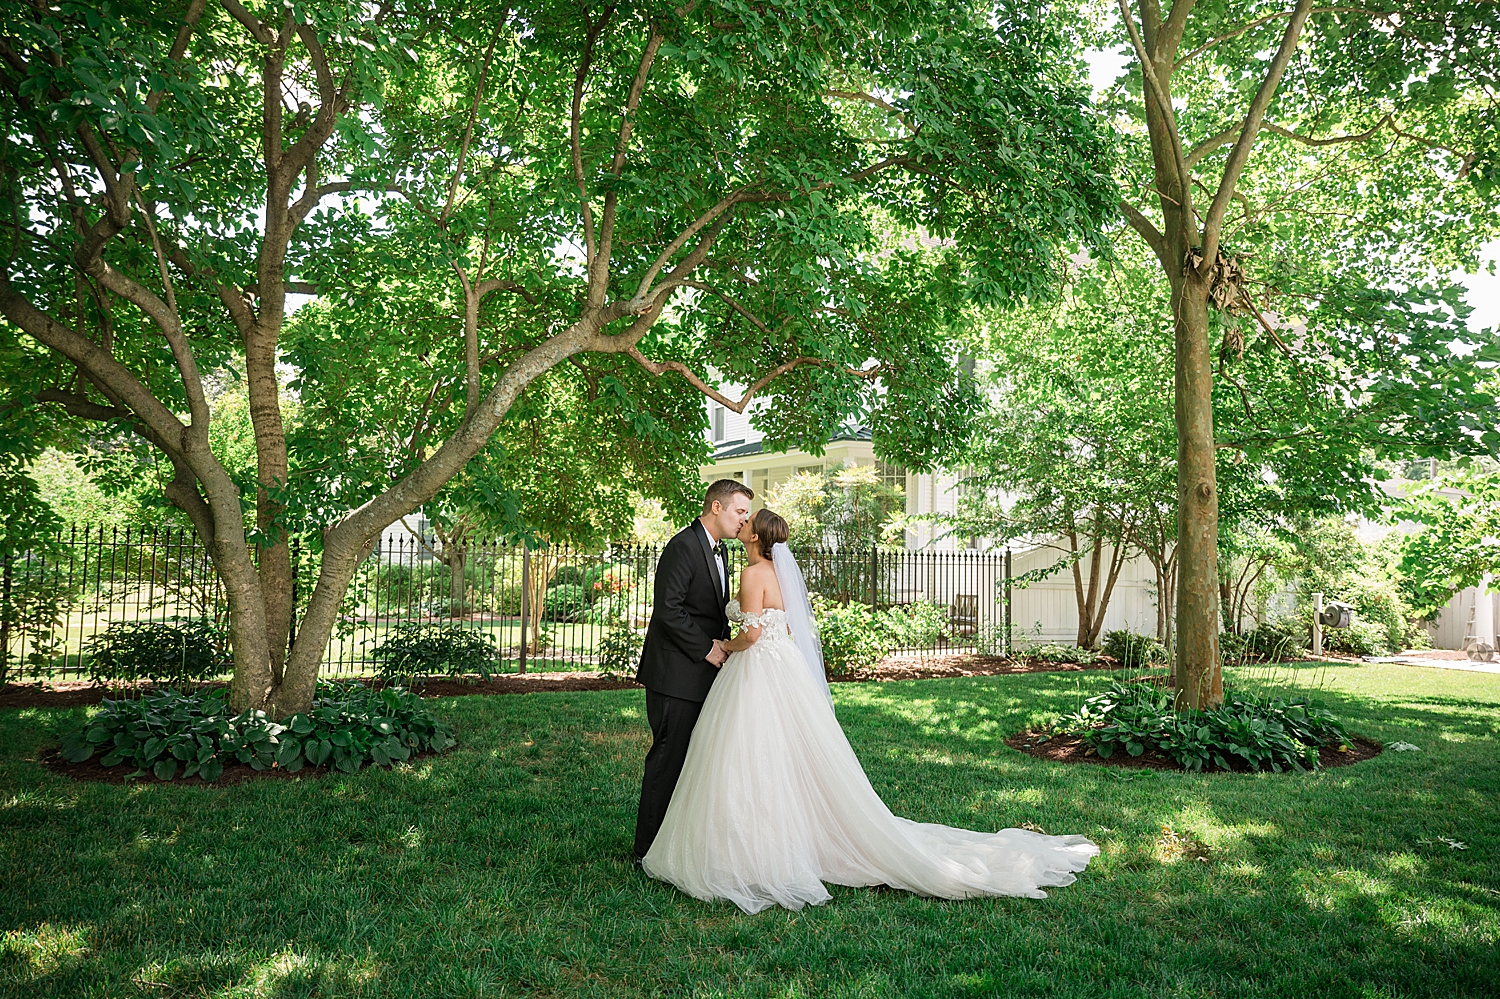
(1062, 749)
(939, 667)
(1072, 749)
(80, 693)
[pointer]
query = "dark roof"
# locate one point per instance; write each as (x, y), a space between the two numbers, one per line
(739, 449)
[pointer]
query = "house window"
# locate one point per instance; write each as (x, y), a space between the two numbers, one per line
(892, 475)
(717, 418)
(809, 469)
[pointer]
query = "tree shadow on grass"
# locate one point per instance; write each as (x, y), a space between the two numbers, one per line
(500, 865)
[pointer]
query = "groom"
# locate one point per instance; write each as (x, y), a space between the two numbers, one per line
(684, 644)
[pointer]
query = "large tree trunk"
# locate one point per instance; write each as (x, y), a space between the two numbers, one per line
(1188, 255)
(1199, 679)
(271, 471)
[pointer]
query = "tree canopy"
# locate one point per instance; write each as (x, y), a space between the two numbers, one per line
(794, 197)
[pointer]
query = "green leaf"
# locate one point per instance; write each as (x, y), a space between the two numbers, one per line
(76, 748)
(287, 751)
(165, 769)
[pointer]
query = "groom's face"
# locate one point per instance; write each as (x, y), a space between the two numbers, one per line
(726, 521)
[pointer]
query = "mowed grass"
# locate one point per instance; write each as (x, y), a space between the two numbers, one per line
(501, 868)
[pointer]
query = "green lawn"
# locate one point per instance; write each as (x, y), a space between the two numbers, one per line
(500, 868)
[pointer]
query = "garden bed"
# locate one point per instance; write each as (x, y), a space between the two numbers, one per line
(1073, 749)
(80, 693)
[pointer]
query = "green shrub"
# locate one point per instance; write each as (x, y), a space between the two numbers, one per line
(416, 649)
(916, 625)
(1134, 651)
(852, 638)
(1269, 642)
(570, 575)
(989, 640)
(1259, 732)
(1054, 652)
(619, 651)
(1365, 638)
(176, 652)
(566, 602)
(349, 725)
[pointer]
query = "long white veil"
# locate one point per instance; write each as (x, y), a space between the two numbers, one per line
(799, 613)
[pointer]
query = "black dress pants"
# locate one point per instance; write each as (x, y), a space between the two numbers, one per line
(672, 720)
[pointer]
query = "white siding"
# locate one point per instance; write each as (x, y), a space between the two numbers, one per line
(1447, 631)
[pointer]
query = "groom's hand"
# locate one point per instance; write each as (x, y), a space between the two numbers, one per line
(717, 654)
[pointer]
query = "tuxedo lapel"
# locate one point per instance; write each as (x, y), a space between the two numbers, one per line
(711, 558)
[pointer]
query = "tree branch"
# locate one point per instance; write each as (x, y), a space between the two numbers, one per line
(93, 360)
(1163, 100)
(179, 46)
(644, 288)
(1171, 31)
(1240, 155)
(1146, 229)
(463, 148)
(859, 95)
(496, 284)
(730, 301)
(171, 327)
(1208, 145)
(622, 145)
(83, 408)
(1382, 14)
(590, 248)
(662, 367)
(258, 30)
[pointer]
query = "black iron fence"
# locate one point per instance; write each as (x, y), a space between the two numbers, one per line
(544, 609)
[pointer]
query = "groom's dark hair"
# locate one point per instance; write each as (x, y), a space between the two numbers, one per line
(721, 491)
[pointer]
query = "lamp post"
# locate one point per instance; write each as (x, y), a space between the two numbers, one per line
(1317, 634)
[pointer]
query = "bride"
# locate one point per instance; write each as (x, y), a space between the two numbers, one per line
(772, 801)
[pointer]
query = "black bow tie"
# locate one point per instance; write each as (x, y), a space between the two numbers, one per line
(721, 550)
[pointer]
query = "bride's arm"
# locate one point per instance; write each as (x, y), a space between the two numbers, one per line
(752, 601)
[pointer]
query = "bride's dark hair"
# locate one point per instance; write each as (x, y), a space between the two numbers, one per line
(770, 529)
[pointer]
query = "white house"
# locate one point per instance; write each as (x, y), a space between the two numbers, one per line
(1046, 611)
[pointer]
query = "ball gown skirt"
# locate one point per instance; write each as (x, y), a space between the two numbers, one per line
(772, 803)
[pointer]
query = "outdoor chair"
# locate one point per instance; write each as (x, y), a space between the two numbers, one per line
(965, 613)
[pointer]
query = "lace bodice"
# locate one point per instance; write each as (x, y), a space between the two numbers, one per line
(771, 621)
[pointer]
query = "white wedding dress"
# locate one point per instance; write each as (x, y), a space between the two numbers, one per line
(772, 803)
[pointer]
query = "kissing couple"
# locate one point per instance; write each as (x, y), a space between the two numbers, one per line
(752, 791)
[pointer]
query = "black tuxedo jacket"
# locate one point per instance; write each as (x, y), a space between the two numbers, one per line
(688, 615)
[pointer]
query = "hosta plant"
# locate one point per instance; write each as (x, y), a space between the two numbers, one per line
(1247, 730)
(170, 734)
